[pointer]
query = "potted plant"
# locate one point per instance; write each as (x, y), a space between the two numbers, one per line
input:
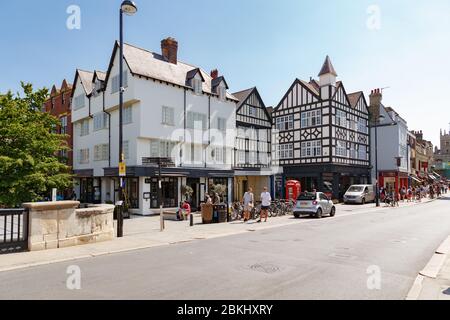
(220, 190)
(187, 192)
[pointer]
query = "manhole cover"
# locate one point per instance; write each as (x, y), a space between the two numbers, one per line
(265, 268)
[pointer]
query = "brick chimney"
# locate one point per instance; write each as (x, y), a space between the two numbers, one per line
(375, 103)
(169, 50)
(215, 74)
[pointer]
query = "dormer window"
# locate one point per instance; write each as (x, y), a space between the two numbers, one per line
(197, 86)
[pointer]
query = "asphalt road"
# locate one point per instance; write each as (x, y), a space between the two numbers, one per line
(318, 259)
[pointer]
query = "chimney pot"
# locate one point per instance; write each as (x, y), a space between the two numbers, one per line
(169, 50)
(215, 74)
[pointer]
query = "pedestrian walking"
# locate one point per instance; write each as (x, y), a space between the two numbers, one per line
(266, 201)
(249, 202)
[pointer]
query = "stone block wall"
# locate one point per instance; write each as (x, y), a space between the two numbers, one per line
(61, 224)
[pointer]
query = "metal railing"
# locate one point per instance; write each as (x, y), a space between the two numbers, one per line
(13, 230)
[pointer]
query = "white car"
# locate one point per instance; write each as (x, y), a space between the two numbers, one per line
(361, 194)
(314, 204)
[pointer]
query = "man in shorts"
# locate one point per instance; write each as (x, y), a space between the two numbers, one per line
(266, 201)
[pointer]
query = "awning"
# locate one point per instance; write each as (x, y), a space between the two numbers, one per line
(416, 179)
(431, 177)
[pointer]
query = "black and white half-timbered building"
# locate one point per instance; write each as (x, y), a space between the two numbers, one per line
(321, 134)
(253, 148)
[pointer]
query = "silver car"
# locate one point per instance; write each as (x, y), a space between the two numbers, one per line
(314, 204)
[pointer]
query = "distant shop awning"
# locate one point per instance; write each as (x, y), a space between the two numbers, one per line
(432, 177)
(437, 176)
(416, 179)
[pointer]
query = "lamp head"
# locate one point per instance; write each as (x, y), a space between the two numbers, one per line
(129, 7)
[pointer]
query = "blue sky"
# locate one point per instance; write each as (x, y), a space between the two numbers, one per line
(253, 43)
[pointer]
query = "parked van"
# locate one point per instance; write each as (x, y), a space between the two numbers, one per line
(360, 194)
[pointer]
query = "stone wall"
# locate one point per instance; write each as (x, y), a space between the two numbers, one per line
(61, 224)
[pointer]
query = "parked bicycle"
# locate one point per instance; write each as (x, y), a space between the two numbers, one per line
(237, 211)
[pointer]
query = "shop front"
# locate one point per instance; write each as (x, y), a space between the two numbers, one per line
(333, 180)
(394, 180)
(255, 179)
(141, 187)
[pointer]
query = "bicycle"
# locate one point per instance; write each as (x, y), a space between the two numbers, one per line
(237, 211)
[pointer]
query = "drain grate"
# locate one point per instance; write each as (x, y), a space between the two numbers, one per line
(265, 268)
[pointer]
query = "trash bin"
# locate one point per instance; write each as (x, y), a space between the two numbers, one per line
(207, 213)
(221, 213)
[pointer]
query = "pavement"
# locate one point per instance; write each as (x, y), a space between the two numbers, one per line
(366, 253)
(144, 232)
(433, 282)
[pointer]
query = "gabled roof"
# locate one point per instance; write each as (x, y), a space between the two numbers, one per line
(151, 65)
(327, 68)
(315, 84)
(353, 98)
(191, 74)
(86, 80)
(100, 75)
(243, 95)
(310, 87)
(215, 82)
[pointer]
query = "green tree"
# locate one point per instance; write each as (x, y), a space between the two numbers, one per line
(29, 146)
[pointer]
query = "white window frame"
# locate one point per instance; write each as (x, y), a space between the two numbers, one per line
(126, 150)
(311, 149)
(168, 116)
(84, 128)
(63, 124)
(353, 152)
(162, 148)
(341, 118)
(193, 117)
(222, 124)
(79, 102)
(100, 121)
(311, 118)
(362, 152)
(341, 149)
(285, 151)
(101, 152)
(127, 115)
(115, 82)
(362, 125)
(284, 123)
(197, 85)
(83, 156)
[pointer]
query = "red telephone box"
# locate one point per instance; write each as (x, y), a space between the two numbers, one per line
(293, 190)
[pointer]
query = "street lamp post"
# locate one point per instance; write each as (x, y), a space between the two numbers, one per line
(129, 8)
(377, 177)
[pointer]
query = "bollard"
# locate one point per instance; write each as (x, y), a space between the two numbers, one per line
(191, 218)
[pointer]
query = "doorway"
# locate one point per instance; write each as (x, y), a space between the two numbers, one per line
(194, 201)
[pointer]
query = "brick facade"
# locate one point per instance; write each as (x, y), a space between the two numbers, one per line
(59, 105)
